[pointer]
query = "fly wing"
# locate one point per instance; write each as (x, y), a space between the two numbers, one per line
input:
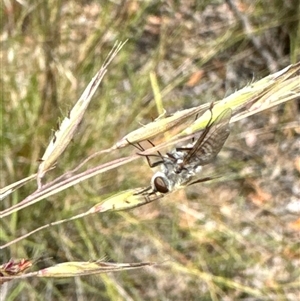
(211, 140)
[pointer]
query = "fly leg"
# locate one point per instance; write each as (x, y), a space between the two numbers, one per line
(141, 149)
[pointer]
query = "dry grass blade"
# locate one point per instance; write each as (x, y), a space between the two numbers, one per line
(4, 192)
(124, 200)
(270, 91)
(53, 187)
(72, 269)
(159, 126)
(65, 133)
(76, 268)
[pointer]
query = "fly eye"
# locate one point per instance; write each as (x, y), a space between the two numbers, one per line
(160, 185)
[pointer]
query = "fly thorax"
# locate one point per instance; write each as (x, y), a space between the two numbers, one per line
(186, 174)
(198, 169)
(178, 167)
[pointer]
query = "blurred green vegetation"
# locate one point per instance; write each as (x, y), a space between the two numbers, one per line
(228, 240)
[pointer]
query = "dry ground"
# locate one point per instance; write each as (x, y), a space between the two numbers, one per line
(233, 239)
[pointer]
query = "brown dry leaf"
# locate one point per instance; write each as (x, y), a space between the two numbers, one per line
(297, 163)
(154, 20)
(291, 253)
(297, 129)
(244, 8)
(259, 196)
(153, 24)
(271, 283)
(195, 78)
(133, 7)
(295, 225)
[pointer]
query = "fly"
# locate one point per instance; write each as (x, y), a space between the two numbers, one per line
(179, 166)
